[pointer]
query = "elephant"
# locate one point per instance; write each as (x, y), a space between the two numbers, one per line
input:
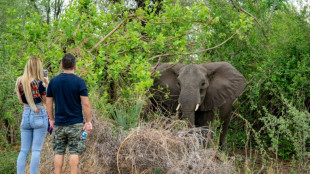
(197, 90)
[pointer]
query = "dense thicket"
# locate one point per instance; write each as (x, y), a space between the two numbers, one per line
(117, 42)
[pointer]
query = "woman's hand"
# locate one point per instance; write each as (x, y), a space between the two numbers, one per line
(45, 80)
(52, 122)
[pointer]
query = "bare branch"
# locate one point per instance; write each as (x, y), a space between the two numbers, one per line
(233, 2)
(187, 33)
(154, 69)
(108, 35)
(197, 52)
(111, 32)
(271, 15)
(79, 26)
(113, 42)
(256, 20)
(162, 55)
(212, 48)
(171, 22)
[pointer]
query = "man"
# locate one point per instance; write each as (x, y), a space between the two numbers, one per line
(69, 92)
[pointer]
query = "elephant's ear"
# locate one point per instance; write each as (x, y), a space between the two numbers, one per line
(168, 77)
(168, 74)
(226, 84)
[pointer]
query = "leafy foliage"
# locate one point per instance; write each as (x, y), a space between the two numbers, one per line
(267, 41)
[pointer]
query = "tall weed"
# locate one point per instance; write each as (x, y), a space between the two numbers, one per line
(126, 114)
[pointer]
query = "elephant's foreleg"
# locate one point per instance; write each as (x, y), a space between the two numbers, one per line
(205, 118)
(225, 116)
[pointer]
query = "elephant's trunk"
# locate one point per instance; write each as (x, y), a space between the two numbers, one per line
(190, 116)
(189, 100)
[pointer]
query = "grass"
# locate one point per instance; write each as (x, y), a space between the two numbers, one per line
(8, 162)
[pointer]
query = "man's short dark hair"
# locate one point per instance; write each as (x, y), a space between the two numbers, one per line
(68, 61)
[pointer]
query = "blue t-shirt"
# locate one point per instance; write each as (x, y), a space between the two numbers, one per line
(66, 90)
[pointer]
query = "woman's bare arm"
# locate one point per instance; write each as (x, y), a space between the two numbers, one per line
(20, 99)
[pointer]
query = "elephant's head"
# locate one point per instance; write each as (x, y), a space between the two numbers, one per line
(200, 87)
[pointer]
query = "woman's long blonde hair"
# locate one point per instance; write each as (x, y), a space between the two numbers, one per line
(33, 71)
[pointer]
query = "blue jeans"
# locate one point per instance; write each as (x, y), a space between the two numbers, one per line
(33, 131)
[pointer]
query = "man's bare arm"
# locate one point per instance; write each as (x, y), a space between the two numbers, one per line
(87, 113)
(49, 108)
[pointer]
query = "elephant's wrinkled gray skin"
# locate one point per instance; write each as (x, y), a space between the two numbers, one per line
(197, 89)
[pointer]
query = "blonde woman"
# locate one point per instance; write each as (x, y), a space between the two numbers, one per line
(31, 93)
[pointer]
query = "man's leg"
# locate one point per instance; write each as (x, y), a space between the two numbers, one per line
(58, 161)
(59, 145)
(76, 145)
(74, 161)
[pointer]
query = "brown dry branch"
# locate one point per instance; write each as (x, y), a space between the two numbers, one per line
(169, 151)
(163, 145)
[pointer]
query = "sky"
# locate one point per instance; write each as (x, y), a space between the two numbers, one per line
(300, 3)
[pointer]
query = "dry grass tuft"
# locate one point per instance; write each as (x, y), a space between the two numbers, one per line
(169, 150)
(154, 147)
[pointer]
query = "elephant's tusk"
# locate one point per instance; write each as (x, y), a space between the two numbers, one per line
(197, 106)
(179, 105)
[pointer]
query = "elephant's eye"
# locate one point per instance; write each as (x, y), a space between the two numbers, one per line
(203, 84)
(179, 84)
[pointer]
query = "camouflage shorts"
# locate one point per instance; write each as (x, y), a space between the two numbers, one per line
(68, 136)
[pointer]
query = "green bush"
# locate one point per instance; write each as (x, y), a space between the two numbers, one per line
(10, 108)
(8, 162)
